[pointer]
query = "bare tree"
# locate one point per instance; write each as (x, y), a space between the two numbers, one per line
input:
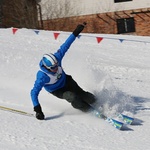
(20, 13)
(55, 9)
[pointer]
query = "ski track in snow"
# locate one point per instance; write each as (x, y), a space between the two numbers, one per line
(117, 73)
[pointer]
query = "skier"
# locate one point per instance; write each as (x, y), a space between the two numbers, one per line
(52, 77)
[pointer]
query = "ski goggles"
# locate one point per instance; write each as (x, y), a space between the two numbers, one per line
(54, 67)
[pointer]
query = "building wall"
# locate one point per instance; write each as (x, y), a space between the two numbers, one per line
(87, 7)
(103, 22)
(19, 13)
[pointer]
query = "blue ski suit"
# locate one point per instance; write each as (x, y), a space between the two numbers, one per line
(43, 79)
(60, 84)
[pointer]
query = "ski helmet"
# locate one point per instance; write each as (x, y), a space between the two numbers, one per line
(50, 61)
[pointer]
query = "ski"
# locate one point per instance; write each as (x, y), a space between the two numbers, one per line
(128, 120)
(117, 124)
(16, 111)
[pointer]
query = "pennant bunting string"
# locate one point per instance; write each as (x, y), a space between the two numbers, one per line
(99, 39)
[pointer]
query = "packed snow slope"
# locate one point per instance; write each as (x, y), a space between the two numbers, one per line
(116, 69)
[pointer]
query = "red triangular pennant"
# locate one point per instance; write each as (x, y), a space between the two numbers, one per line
(14, 30)
(99, 39)
(56, 35)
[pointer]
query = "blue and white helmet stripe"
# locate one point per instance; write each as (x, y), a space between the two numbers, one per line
(49, 60)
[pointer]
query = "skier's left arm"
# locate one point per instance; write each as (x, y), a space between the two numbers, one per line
(65, 46)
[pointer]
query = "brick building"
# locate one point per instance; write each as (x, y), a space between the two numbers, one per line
(126, 20)
(19, 13)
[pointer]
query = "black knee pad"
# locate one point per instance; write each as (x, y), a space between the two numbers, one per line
(69, 96)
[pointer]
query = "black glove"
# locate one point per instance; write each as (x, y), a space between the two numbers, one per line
(79, 29)
(39, 113)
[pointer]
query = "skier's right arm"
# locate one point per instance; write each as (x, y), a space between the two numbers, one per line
(38, 85)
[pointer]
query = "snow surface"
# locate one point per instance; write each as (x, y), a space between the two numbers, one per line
(116, 71)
